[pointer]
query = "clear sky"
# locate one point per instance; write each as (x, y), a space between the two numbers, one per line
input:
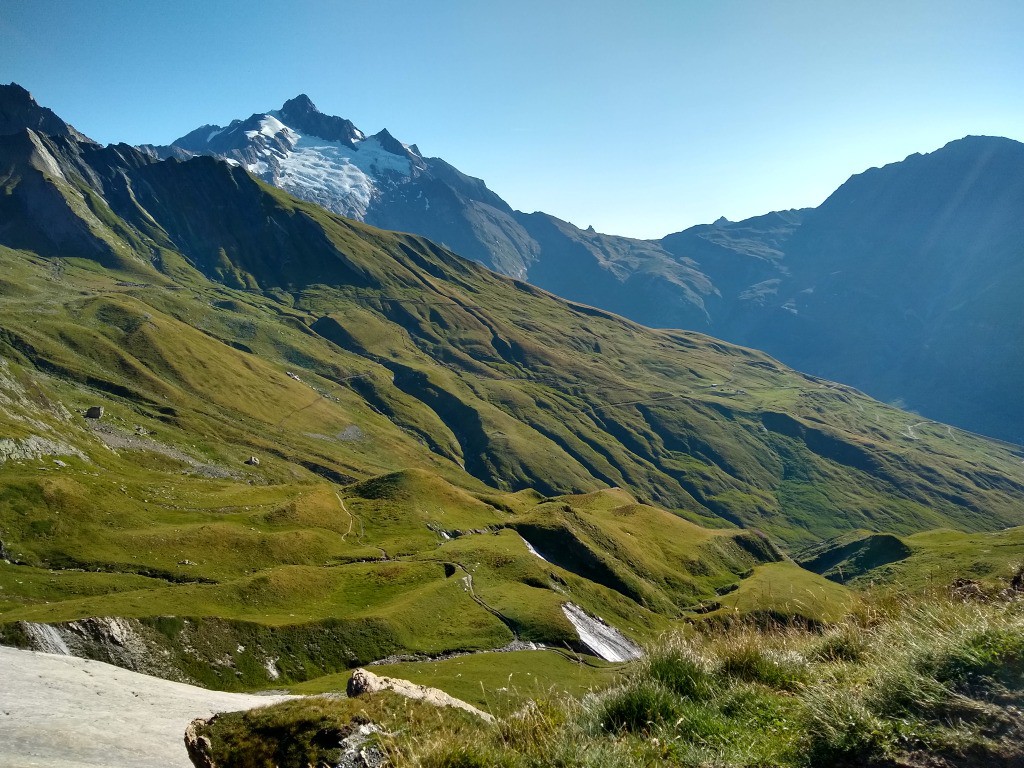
(641, 118)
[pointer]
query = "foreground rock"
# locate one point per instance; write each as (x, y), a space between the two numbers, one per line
(62, 711)
(367, 682)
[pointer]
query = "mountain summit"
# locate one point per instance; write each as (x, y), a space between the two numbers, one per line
(302, 114)
(380, 180)
(18, 111)
(327, 160)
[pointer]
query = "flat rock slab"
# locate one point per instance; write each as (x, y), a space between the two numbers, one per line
(62, 711)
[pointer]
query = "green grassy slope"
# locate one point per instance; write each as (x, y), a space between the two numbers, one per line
(417, 421)
(515, 387)
(934, 683)
(495, 681)
(931, 560)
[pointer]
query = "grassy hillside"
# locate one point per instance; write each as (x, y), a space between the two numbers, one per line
(933, 684)
(499, 380)
(445, 456)
(927, 561)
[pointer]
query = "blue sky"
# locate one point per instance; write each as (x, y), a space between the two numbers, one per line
(640, 118)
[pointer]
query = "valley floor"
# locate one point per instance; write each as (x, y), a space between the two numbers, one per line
(64, 712)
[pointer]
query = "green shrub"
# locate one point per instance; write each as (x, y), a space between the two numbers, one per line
(748, 660)
(683, 672)
(638, 707)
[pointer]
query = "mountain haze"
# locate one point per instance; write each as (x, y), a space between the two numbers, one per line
(906, 282)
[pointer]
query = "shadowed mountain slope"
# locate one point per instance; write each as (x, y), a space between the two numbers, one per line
(906, 282)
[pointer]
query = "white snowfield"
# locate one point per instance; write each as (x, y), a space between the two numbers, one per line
(533, 550)
(66, 712)
(605, 641)
(339, 177)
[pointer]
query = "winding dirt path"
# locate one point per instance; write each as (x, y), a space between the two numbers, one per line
(351, 517)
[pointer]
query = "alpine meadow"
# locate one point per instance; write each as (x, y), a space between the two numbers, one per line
(295, 411)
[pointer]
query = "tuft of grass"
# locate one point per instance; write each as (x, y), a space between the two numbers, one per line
(746, 659)
(846, 642)
(684, 672)
(640, 707)
(986, 657)
(839, 729)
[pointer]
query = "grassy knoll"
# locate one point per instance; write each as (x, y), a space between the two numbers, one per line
(927, 561)
(785, 590)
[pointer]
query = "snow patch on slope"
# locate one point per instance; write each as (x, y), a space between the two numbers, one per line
(65, 712)
(272, 128)
(533, 550)
(340, 177)
(603, 640)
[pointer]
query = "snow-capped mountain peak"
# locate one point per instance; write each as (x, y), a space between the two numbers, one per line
(374, 178)
(318, 157)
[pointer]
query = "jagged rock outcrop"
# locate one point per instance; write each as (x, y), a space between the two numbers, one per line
(35, 447)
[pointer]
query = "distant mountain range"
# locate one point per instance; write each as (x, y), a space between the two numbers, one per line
(907, 282)
(904, 283)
